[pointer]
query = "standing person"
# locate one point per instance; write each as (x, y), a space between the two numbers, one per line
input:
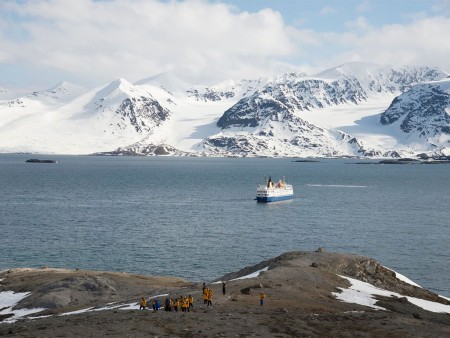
(209, 297)
(184, 304)
(223, 287)
(205, 295)
(183, 308)
(157, 305)
(154, 304)
(191, 301)
(261, 298)
(203, 287)
(167, 306)
(142, 304)
(176, 304)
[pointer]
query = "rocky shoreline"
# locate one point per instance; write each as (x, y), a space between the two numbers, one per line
(302, 300)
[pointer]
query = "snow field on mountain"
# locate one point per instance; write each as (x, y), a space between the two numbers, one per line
(191, 120)
(189, 124)
(359, 120)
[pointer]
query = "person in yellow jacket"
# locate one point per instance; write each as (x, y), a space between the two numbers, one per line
(262, 296)
(182, 304)
(176, 304)
(205, 295)
(142, 304)
(210, 297)
(191, 301)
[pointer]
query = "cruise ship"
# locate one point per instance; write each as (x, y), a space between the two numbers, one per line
(272, 192)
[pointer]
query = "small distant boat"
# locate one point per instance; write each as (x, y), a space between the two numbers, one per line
(272, 192)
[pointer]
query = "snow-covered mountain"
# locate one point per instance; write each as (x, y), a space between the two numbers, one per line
(176, 88)
(422, 113)
(120, 116)
(127, 106)
(69, 119)
(356, 109)
(292, 115)
(383, 78)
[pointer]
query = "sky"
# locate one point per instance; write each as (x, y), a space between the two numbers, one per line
(93, 42)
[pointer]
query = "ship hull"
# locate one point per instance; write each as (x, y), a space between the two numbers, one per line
(267, 199)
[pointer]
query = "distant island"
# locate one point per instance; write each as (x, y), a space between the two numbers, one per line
(35, 160)
(305, 161)
(430, 160)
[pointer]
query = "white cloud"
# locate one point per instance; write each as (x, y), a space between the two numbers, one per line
(93, 42)
(421, 42)
(135, 39)
(327, 10)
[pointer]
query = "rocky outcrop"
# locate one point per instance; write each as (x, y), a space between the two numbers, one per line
(143, 149)
(359, 267)
(56, 289)
(421, 111)
(142, 113)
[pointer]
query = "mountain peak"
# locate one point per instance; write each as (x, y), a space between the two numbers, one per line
(66, 88)
(357, 69)
(117, 87)
(121, 83)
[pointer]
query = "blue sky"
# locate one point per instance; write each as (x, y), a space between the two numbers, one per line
(322, 15)
(92, 42)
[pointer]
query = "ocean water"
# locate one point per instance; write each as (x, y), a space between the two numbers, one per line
(196, 218)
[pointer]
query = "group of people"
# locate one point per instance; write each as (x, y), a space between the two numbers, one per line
(207, 295)
(183, 302)
(155, 304)
(186, 303)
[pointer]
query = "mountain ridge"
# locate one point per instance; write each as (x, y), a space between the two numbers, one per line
(293, 115)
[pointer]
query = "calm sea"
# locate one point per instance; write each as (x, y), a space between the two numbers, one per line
(196, 218)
